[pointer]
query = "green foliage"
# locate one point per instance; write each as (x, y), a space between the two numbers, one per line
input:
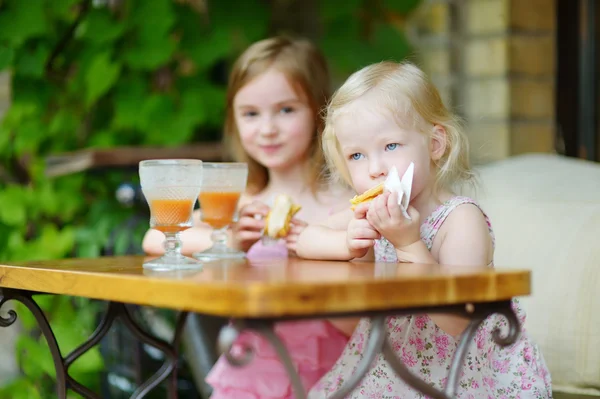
(143, 73)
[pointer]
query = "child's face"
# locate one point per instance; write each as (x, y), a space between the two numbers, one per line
(372, 142)
(275, 124)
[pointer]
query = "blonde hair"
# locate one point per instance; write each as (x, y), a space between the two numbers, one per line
(306, 69)
(403, 90)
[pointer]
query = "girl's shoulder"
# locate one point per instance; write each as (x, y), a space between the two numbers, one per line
(460, 211)
(459, 216)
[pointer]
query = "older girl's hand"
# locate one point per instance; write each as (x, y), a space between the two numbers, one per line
(386, 217)
(248, 229)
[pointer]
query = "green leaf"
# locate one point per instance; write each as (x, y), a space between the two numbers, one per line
(248, 23)
(193, 107)
(103, 139)
(20, 21)
(12, 211)
(100, 77)
(21, 388)
(167, 125)
(32, 63)
(50, 244)
(156, 110)
(85, 234)
(401, 6)
(34, 91)
(78, 83)
(152, 45)
(99, 27)
(63, 9)
(6, 234)
(64, 121)
(130, 95)
(17, 113)
(88, 250)
(211, 108)
(15, 240)
(43, 358)
(27, 349)
(122, 241)
(25, 316)
(153, 16)
(150, 54)
(49, 203)
(55, 244)
(7, 55)
(29, 136)
(205, 50)
(342, 45)
(333, 9)
(90, 362)
(390, 41)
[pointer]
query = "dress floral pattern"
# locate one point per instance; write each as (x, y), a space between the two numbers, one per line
(489, 371)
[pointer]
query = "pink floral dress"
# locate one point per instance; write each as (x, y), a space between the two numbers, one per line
(489, 371)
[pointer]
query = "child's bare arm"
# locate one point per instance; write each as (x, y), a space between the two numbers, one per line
(193, 240)
(326, 241)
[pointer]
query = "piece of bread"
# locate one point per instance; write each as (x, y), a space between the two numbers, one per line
(277, 222)
(367, 196)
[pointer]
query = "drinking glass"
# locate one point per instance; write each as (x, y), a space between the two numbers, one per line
(222, 186)
(171, 187)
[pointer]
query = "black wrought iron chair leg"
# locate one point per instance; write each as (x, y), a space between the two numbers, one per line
(170, 351)
(81, 389)
(478, 316)
(112, 312)
(26, 299)
(115, 310)
(459, 356)
(229, 334)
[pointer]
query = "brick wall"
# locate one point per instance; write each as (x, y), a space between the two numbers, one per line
(493, 61)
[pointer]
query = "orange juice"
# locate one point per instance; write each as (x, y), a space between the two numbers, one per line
(171, 215)
(218, 207)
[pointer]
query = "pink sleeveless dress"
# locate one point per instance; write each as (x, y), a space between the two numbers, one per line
(489, 371)
(314, 346)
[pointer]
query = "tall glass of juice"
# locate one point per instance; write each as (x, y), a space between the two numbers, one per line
(222, 186)
(171, 188)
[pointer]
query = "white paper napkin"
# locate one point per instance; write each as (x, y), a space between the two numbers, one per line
(403, 186)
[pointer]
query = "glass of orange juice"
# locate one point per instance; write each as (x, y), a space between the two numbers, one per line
(171, 187)
(222, 186)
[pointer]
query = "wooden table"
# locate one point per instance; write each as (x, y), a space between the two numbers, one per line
(256, 294)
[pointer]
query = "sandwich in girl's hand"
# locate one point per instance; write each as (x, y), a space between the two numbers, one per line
(367, 196)
(277, 221)
(393, 184)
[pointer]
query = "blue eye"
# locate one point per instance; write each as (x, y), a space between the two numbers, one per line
(392, 146)
(287, 110)
(250, 114)
(356, 156)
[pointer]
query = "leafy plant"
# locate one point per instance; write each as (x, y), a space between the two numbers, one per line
(101, 74)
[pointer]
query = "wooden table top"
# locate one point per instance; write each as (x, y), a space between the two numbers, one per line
(285, 287)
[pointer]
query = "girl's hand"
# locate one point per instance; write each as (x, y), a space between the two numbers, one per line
(248, 229)
(361, 235)
(386, 217)
(297, 226)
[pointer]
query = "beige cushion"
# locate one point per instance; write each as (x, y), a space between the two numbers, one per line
(545, 211)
